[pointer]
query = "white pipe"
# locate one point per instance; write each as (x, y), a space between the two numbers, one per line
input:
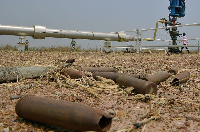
(40, 32)
(172, 46)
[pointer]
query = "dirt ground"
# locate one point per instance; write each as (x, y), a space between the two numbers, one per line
(174, 108)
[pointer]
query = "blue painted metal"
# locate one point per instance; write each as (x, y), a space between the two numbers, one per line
(177, 8)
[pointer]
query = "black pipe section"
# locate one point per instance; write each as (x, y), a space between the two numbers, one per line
(68, 115)
(180, 78)
(140, 86)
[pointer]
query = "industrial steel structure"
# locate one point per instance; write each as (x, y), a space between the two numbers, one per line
(176, 8)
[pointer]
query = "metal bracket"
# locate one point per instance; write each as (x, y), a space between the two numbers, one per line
(138, 40)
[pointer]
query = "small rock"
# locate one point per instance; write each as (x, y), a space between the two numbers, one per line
(58, 93)
(1, 124)
(79, 98)
(187, 123)
(115, 118)
(129, 90)
(120, 113)
(111, 112)
(8, 129)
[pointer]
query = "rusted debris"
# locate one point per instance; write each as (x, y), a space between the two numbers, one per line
(140, 86)
(180, 78)
(133, 75)
(99, 69)
(173, 70)
(68, 115)
(70, 61)
(145, 121)
(113, 75)
(9, 74)
(66, 63)
(158, 77)
(74, 74)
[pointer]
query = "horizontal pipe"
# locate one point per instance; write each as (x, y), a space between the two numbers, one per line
(171, 46)
(140, 86)
(99, 69)
(16, 30)
(40, 32)
(180, 78)
(68, 115)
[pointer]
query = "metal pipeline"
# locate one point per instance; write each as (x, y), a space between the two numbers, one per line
(140, 86)
(99, 69)
(158, 77)
(68, 115)
(74, 74)
(40, 32)
(180, 78)
(9, 74)
(154, 37)
(113, 75)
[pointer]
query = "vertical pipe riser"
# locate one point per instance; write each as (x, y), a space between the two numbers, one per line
(68, 115)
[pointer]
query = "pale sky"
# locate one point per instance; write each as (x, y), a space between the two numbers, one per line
(92, 15)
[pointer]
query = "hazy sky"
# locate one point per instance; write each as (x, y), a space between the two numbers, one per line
(92, 15)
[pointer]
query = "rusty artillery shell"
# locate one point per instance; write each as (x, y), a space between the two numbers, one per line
(113, 75)
(68, 115)
(108, 75)
(74, 74)
(99, 69)
(180, 78)
(173, 70)
(140, 86)
(158, 77)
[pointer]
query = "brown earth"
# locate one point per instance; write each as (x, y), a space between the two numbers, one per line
(174, 108)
